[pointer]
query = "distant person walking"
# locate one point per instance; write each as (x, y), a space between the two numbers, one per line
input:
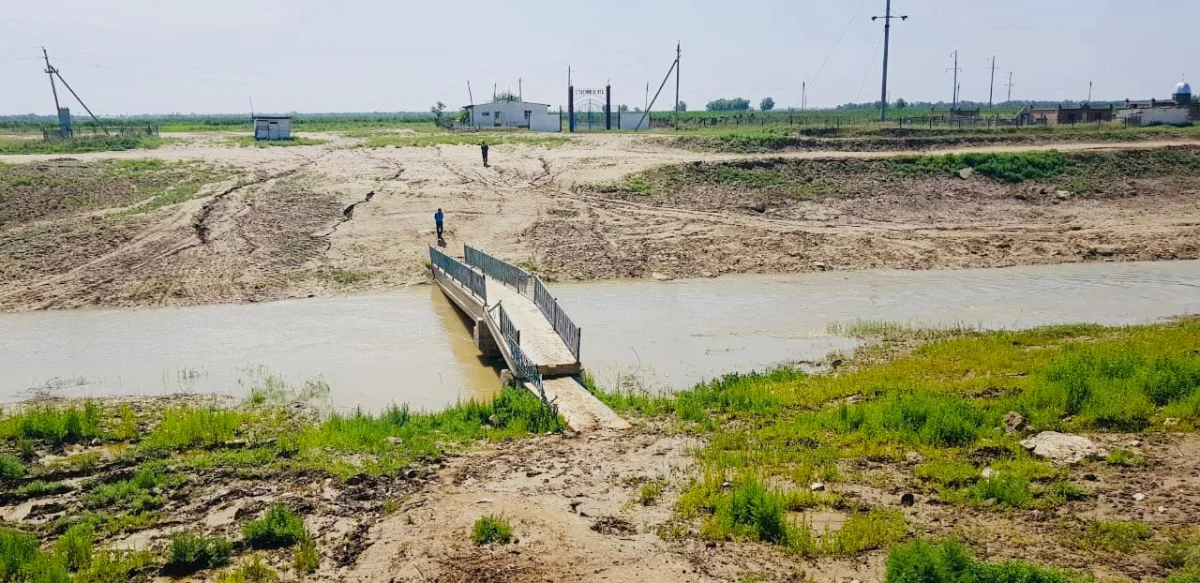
(438, 217)
(483, 148)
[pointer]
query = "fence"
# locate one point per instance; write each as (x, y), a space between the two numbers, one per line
(504, 272)
(566, 329)
(470, 279)
(81, 131)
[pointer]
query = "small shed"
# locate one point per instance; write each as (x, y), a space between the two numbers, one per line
(272, 128)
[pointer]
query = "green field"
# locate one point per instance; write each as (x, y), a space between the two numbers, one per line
(81, 145)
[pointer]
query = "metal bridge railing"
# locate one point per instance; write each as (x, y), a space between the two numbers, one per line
(566, 329)
(470, 279)
(501, 270)
(526, 368)
(507, 328)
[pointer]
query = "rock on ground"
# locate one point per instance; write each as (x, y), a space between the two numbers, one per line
(1062, 448)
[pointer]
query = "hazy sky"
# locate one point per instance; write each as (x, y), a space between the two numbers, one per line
(162, 56)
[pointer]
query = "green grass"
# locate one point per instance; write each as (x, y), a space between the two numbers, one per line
(491, 529)
(75, 547)
(1125, 458)
(948, 561)
(651, 491)
(1012, 168)
(306, 559)
(39, 489)
(190, 552)
(81, 145)
(279, 527)
(11, 468)
(1115, 536)
(406, 141)
(72, 558)
(945, 399)
(249, 141)
(54, 425)
(136, 493)
(252, 570)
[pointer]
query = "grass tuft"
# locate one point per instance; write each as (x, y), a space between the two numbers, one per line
(279, 527)
(490, 529)
(948, 561)
(190, 552)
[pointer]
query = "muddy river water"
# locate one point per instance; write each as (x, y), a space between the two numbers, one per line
(412, 346)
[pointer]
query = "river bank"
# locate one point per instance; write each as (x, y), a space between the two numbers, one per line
(200, 221)
(769, 477)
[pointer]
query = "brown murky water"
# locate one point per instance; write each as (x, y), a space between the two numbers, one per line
(412, 346)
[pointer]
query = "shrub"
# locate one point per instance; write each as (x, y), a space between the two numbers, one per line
(279, 527)
(948, 561)
(11, 468)
(75, 547)
(190, 552)
(491, 529)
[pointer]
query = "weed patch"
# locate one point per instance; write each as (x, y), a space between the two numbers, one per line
(190, 552)
(279, 527)
(491, 529)
(948, 561)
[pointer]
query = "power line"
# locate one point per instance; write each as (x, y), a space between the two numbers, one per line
(868, 73)
(960, 6)
(838, 43)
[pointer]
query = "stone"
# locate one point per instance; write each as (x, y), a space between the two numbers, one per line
(1170, 422)
(966, 173)
(1139, 497)
(988, 473)
(1062, 448)
(1013, 422)
(656, 276)
(913, 457)
(486, 501)
(817, 487)
(819, 265)
(395, 440)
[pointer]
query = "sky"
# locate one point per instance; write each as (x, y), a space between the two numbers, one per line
(215, 56)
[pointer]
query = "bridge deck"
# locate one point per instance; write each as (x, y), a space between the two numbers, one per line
(538, 339)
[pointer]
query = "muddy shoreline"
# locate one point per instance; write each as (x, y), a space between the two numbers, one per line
(272, 224)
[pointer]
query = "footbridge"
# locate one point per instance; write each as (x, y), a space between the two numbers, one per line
(516, 318)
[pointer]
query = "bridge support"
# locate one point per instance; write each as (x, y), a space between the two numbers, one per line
(485, 340)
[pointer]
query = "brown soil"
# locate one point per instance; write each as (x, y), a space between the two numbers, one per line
(574, 506)
(278, 229)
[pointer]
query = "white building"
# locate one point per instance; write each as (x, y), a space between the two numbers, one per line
(514, 114)
(1178, 110)
(272, 128)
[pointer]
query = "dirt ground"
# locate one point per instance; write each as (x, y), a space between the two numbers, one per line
(573, 503)
(284, 226)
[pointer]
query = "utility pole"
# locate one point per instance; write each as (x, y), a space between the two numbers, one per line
(992, 86)
(1010, 86)
(50, 71)
(803, 95)
(678, 58)
(646, 105)
(520, 89)
(1089, 92)
(887, 32)
(954, 101)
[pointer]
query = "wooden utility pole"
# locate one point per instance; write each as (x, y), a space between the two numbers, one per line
(954, 100)
(992, 86)
(887, 32)
(678, 58)
(1010, 86)
(50, 71)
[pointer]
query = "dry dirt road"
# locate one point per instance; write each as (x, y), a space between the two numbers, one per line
(279, 229)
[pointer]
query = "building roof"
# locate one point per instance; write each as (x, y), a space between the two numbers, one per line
(258, 117)
(495, 102)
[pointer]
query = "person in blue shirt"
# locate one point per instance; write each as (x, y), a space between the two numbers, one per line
(437, 218)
